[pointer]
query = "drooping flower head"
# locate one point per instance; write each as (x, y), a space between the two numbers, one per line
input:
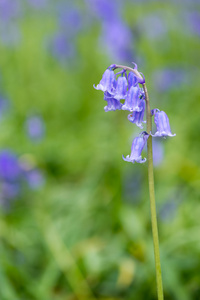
(125, 85)
(136, 149)
(162, 123)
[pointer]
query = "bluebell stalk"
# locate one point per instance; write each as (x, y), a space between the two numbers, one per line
(127, 87)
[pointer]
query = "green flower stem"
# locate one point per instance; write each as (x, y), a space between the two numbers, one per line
(152, 198)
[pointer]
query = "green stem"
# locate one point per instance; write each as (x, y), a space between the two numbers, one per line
(152, 199)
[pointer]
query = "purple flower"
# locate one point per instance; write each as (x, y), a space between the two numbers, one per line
(9, 167)
(162, 123)
(38, 3)
(61, 47)
(137, 116)
(132, 101)
(193, 22)
(112, 103)
(117, 39)
(4, 105)
(121, 88)
(136, 149)
(170, 78)
(158, 152)
(35, 127)
(103, 9)
(34, 178)
(107, 82)
(70, 17)
(132, 79)
(9, 9)
(153, 26)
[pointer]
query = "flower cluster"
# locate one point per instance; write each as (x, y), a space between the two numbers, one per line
(124, 85)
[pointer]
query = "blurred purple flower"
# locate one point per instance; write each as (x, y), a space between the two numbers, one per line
(9, 167)
(9, 31)
(10, 190)
(4, 106)
(158, 152)
(61, 47)
(105, 10)
(9, 9)
(38, 3)
(70, 20)
(168, 210)
(35, 127)
(117, 39)
(193, 21)
(35, 179)
(169, 78)
(153, 26)
(15, 175)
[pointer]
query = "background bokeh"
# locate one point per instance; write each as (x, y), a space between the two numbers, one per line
(74, 217)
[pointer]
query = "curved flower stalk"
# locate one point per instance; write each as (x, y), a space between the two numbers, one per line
(137, 101)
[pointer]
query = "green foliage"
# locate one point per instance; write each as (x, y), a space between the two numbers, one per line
(82, 235)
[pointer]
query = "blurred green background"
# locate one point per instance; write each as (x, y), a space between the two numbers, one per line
(74, 217)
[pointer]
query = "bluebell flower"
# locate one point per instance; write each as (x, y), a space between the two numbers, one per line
(34, 178)
(38, 3)
(105, 10)
(193, 22)
(153, 26)
(70, 17)
(158, 152)
(15, 174)
(132, 79)
(166, 79)
(162, 123)
(61, 47)
(4, 106)
(132, 101)
(137, 116)
(136, 149)
(117, 39)
(107, 82)
(9, 167)
(120, 91)
(35, 127)
(9, 10)
(112, 103)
